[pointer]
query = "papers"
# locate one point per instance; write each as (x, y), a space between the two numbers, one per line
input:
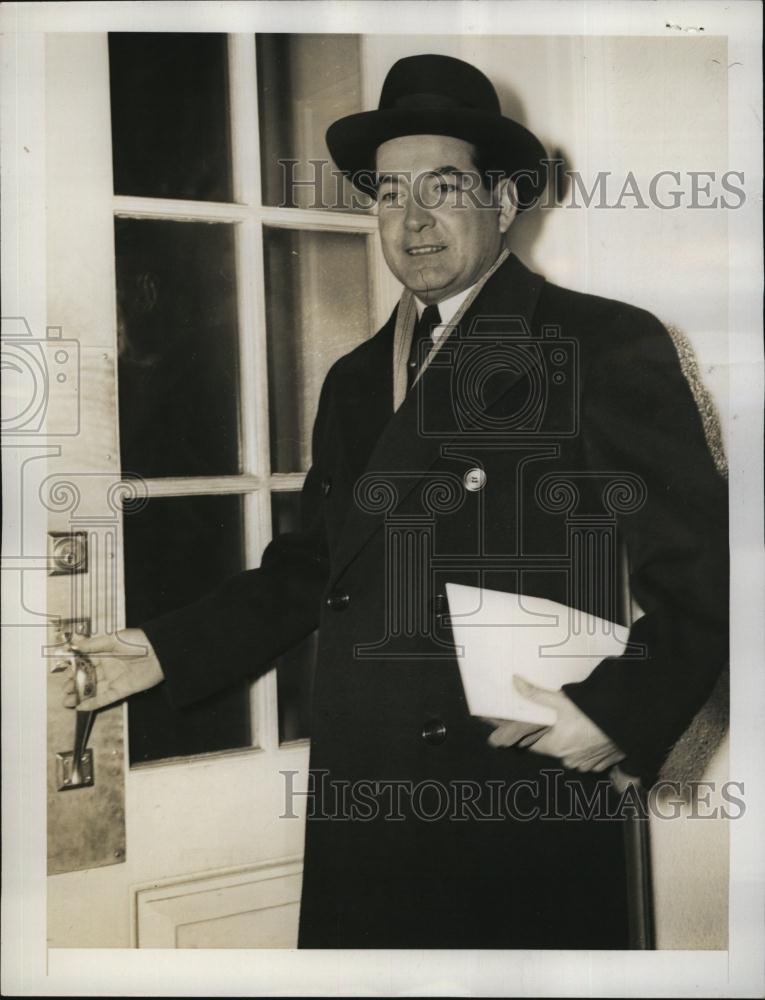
(499, 635)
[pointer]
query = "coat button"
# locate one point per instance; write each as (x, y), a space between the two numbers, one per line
(434, 732)
(338, 602)
(474, 480)
(326, 486)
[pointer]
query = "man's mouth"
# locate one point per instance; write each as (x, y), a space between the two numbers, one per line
(423, 251)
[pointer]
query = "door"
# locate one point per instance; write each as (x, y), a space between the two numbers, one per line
(205, 295)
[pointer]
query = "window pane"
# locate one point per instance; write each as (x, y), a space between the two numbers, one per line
(170, 115)
(305, 82)
(295, 669)
(177, 549)
(177, 335)
(317, 309)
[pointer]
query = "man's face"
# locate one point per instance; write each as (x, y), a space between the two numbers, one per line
(437, 238)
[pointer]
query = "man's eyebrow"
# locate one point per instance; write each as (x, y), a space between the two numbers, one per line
(449, 169)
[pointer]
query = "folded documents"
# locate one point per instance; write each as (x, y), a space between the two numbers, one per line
(500, 635)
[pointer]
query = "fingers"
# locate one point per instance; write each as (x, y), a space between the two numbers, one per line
(90, 704)
(537, 694)
(94, 643)
(583, 761)
(596, 761)
(70, 694)
(608, 762)
(510, 733)
(532, 738)
(70, 697)
(543, 743)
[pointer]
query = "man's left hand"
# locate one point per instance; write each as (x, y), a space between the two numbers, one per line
(574, 738)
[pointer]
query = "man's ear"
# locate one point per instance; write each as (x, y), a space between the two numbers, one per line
(507, 203)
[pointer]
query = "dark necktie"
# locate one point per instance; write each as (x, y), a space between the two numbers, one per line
(422, 332)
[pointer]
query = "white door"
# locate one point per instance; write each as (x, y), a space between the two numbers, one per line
(205, 304)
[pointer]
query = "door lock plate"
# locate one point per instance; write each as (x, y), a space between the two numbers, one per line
(67, 552)
(65, 779)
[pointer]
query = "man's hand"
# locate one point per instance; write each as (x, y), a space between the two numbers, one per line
(125, 664)
(574, 738)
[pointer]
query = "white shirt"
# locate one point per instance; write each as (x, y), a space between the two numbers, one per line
(446, 310)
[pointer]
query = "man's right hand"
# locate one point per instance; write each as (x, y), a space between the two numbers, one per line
(125, 664)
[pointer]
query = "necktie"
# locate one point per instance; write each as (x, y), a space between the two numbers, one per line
(422, 332)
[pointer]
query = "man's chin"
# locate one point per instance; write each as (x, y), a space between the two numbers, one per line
(426, 282)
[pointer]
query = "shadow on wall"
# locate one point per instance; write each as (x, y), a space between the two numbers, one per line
(528, 227)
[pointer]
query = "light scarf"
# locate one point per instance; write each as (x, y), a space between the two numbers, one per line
(405, 323)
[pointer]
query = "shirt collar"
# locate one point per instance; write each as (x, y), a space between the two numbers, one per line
(447, 307)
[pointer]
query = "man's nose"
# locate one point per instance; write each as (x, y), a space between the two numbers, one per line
(417, 216)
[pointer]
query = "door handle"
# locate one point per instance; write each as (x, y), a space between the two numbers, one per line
(74, 769)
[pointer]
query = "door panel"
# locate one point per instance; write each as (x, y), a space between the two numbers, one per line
(185, 298)
(86, 826)
(255, 907)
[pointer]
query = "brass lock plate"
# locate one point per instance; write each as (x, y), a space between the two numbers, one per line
(64, 768)
(67, 552)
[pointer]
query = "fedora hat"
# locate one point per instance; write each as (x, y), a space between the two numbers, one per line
(439, 95)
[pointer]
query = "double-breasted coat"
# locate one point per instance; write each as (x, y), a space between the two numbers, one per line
(587, 440)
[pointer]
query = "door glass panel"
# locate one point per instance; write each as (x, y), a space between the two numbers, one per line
(170, 115)
(177, 336)
(305, 82)
(177, 549)
(295, 669)
(317, 309)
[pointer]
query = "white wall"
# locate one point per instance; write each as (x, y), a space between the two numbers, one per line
(620, 104)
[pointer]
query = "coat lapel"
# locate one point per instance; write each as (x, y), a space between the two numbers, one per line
(409, 441)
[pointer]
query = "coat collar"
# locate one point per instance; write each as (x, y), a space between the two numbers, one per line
(409, 441)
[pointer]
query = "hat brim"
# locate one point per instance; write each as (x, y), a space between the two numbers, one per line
(505, 144)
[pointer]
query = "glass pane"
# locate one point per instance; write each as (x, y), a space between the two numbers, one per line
(305, 82)
(177, 549)
(170, 115)
(317, 309)
(177, 335)
(295, 669)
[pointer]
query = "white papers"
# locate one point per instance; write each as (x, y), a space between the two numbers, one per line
(499, 635)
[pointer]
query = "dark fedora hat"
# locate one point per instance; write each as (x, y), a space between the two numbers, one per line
(439, 95)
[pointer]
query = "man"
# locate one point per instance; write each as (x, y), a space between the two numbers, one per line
(492, 431)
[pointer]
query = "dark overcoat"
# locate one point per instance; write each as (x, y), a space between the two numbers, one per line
(587, 441)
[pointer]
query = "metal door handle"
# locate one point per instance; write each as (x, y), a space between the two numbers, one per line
(75, 768)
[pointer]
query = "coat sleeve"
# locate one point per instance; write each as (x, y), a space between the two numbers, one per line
(241, 627)
(639, 415)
